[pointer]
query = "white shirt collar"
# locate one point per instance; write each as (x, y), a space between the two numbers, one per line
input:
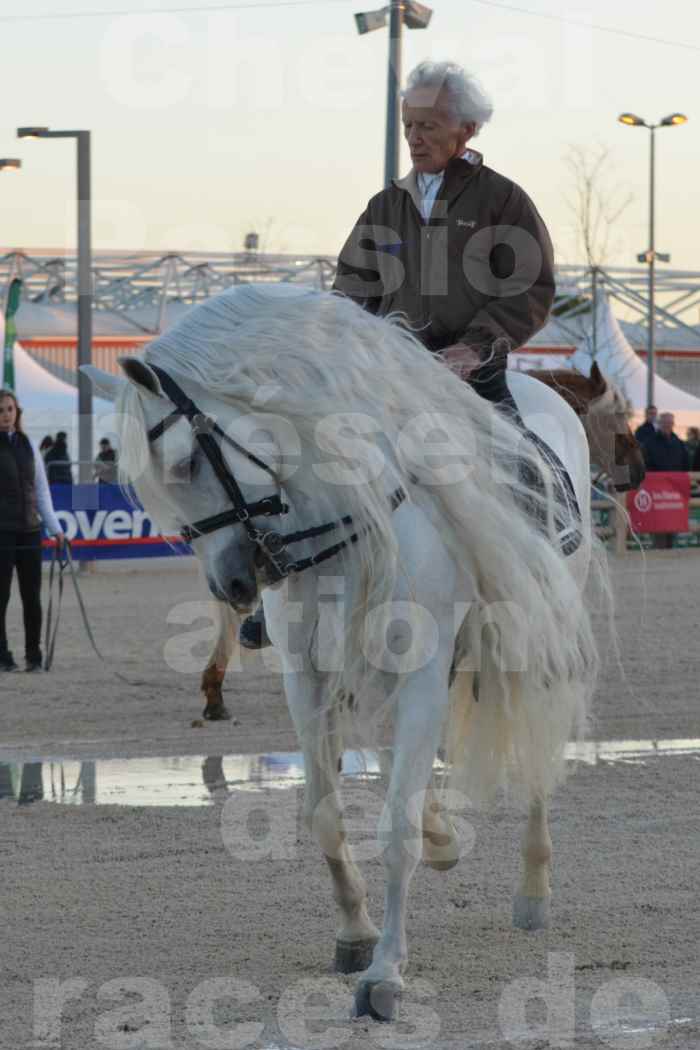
(427, 180)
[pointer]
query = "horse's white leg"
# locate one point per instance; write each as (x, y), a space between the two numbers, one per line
(213, 674)
(420, 712)
(322, 748)
(440, 842)
(531, 903)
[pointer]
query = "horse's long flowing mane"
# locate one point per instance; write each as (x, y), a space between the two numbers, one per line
(318, 355)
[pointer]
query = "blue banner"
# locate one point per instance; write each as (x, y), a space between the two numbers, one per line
(100, 522)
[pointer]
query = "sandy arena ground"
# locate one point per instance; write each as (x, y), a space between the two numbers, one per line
(112, 893)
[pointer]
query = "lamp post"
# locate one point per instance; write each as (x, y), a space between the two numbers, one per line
(84, 286)
(401, 13)
(651, 255)
(10, 164)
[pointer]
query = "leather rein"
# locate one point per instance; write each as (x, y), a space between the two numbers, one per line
(271, 544)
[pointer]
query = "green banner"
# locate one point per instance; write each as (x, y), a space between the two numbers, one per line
(8, 363)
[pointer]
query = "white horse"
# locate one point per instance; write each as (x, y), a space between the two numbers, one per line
(446, 574)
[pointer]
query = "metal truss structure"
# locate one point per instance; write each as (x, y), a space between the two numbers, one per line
(138, 287)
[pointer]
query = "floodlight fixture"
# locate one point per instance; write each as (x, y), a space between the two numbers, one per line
(632, 120)
(673, 119)
(368, 21)
(10, 164)
(416, 16)
(31, 133)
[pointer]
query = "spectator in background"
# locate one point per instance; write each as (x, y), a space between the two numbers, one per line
(25, 505)
(649, 427)
(696, 459)
(692, 442)
(106, 464)
(46, 445)
(57, 461)
(665, 450)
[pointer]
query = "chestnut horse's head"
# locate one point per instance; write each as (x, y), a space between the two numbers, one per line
(603, 412)
(614, 448)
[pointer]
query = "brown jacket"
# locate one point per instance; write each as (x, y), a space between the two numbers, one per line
(480, 269)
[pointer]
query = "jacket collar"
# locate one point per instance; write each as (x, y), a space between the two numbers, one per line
(457, 173)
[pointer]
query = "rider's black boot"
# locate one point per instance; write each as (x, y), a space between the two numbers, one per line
(253, 632)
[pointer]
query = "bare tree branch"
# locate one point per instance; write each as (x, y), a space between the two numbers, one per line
(595, 205)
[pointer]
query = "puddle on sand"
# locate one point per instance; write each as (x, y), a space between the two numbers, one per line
(200, 780)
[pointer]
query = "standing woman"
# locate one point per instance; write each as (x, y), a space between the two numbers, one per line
(25, 502)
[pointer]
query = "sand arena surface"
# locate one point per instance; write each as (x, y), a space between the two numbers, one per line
(108, 893)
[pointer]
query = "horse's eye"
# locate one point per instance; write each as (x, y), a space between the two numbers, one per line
(184, 470)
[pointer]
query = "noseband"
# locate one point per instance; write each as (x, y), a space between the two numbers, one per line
(272, 545)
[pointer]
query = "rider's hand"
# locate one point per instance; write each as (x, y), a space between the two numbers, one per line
(461, 359)
(60, 538)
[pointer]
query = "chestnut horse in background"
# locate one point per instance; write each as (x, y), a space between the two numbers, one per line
(614, 450)
(601, 408)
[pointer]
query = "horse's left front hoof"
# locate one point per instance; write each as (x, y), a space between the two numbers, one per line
(530, 913)
(378, 1000)
(216, 713)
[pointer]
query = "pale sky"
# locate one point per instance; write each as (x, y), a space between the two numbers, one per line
(208, 124)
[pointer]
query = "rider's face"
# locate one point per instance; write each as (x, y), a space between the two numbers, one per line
(433, 135)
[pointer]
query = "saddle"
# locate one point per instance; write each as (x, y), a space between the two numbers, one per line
(489, 381)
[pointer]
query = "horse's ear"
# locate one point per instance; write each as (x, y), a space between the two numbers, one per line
(105, 382)
(139, 373)
(598, 381)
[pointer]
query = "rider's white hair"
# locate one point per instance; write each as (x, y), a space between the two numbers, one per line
(468, 101)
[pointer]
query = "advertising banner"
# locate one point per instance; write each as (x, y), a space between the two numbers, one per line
(100, 522)
(661, 504)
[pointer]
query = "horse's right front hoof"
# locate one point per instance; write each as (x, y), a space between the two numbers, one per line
(378, 1000)
(354, 956)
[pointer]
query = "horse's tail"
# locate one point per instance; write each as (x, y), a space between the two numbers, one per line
(508, 728)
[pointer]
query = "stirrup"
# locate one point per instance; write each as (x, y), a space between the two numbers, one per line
(252, 633)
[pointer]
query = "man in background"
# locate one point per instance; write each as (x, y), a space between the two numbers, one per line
(665, 451)
(106, 464)
(649, 427)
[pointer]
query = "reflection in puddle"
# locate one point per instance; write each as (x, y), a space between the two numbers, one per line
(199, 780)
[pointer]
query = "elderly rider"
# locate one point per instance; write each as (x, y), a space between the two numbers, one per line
(455, 246)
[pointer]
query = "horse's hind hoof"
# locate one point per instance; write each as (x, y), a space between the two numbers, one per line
(378, 1000)
(530, 913)
(353, 956)
(216, 713)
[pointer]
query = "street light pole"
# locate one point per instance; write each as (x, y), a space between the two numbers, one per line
(650, 256)
(85, 436)
(651, 345)
(414, 16)
(393, 97)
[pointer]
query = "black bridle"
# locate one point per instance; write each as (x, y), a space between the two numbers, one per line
(272, 545)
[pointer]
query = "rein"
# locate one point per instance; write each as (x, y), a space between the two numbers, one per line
(273, 545)
(63, 559)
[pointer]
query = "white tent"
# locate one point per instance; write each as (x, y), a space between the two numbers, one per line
(618, 361)
(49, 404)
